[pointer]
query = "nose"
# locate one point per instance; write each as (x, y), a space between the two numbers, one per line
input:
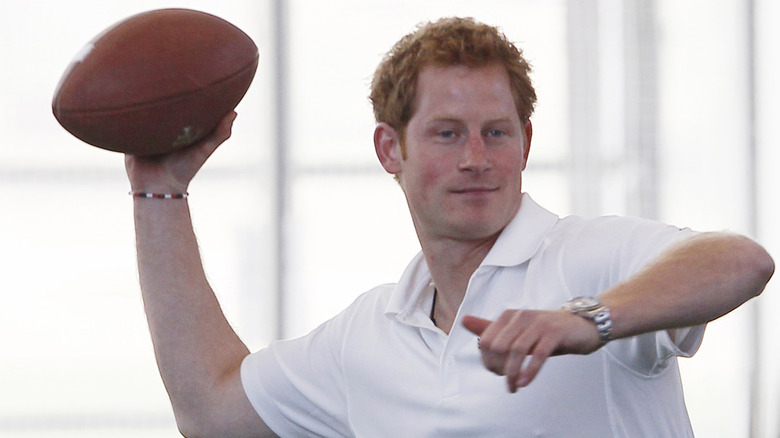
(475, 155)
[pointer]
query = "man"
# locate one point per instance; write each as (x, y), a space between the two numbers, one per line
(473, 340)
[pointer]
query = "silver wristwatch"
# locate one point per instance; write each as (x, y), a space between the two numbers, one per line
(592, 309)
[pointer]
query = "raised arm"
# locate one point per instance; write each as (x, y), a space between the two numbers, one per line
(198, 353)
(697, 281)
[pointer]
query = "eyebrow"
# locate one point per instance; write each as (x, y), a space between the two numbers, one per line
(451, 119)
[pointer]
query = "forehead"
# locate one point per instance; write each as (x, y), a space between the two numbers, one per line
(463, 90)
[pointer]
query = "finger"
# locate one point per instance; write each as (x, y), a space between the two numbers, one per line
(521, 346)
(220, 134)
(493, 362)
(514, 363)
(507, 332)
(226, 124)
(476, 325)
(533, 366)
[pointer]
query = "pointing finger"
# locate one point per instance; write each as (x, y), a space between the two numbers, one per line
(476, 325)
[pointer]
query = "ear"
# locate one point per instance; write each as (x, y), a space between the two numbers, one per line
(529, 132)
(387, 144)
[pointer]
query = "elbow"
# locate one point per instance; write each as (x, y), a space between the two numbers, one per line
(212, 410)
(189, 427)
(759, 267)
(195, 429)
(185, 432)
(765, 268)
(194, 424)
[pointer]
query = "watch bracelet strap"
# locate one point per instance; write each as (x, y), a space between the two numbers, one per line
(603, 320)
(601, 317)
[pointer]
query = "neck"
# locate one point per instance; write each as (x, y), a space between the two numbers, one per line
(451, 266)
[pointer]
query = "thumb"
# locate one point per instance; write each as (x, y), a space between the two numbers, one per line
(219, 135)
(476, 325)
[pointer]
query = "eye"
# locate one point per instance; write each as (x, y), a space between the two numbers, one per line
(495, 133)
(447, 133)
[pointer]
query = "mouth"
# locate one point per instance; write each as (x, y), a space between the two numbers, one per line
(475, 190)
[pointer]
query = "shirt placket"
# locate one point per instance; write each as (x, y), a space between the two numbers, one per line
(460, 338)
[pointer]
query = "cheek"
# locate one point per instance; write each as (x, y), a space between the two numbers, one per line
(431, 175)
(511, 167)
(418, 186)
(423, 173)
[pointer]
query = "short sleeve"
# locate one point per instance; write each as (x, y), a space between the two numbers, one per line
(606, 251)
(647, 241)
(296, 386)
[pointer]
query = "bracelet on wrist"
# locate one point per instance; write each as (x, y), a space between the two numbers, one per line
(148, 195)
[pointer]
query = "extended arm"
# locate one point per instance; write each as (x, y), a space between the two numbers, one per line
(697, 281)
(198, 353)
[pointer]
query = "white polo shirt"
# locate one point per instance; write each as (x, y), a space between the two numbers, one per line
(382, 369)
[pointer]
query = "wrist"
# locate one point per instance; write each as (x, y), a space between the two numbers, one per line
(152, 175)
(155, 195)
(592, 309)
(157, 187)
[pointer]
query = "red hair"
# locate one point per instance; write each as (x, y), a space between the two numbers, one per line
(449, 41)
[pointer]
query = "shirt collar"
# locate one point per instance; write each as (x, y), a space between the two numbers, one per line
(408, 294)
(519, 240)
(523, 236)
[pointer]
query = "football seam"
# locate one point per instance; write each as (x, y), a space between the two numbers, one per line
(162, 100)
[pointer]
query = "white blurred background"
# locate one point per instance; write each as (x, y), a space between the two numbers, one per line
(658, 108)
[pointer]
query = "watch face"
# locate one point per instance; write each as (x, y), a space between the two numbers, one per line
(581, 304)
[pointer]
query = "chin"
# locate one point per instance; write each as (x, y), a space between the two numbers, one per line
(477, 230)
